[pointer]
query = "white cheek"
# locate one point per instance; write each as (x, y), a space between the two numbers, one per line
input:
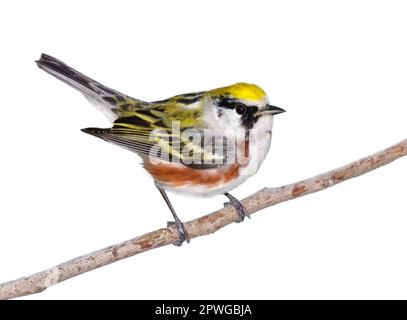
(229, 119)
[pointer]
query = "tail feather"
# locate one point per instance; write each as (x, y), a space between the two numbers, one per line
(104, 98)
(97, 132)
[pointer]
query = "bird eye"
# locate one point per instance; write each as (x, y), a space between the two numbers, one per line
(240, 108)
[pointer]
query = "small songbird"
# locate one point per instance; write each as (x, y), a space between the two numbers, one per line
(203, 143)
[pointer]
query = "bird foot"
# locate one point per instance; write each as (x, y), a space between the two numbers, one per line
(182, 232)
(239, 207)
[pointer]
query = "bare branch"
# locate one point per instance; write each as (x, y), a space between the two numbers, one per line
(198, 227)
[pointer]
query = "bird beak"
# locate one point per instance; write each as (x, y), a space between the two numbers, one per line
(270, 110)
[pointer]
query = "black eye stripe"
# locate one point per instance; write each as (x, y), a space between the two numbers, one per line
(247, 113)
(254, 109)
(226, 103)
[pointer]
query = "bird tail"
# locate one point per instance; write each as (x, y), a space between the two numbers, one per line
(97, 132)
(104, 98)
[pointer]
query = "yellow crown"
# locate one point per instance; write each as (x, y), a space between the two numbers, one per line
(241, 91)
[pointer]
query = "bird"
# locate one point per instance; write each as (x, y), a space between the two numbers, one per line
(203, 143)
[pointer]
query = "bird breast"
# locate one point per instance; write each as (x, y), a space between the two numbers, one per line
(210, 182)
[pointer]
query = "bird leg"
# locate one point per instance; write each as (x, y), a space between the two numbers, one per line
(182, 232)
(240, 209)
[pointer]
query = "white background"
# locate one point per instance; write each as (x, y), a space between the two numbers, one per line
(339, 68)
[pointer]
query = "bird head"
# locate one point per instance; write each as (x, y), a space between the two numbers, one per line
(241, 105)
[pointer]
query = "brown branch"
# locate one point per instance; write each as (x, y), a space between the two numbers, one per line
(198, 227)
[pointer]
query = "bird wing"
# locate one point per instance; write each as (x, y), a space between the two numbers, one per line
(145, 133)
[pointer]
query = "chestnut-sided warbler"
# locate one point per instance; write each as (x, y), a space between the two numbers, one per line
(203, 143)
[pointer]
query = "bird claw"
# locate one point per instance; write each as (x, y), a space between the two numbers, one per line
(239, 207)
(182, 232)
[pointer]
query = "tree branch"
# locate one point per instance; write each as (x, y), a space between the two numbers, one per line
(198, 227)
